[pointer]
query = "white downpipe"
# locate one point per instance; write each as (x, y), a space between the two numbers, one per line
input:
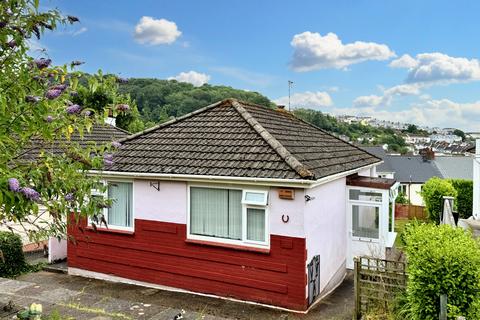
(476, 182)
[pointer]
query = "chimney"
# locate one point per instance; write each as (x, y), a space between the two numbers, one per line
(427, 154)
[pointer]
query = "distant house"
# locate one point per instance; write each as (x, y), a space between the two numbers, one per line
(455, 167)
(410, 171)
(416, 139)
(413, 171)
(241, 201)
(100, 134)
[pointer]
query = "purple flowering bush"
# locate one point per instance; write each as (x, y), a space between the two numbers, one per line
(44, 105)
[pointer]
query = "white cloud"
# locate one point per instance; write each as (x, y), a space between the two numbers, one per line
(314, 51)
(196, 78)
(156, 31)
(405, 61)
(79, 31)
(438, 68)
(432, 113)
(308, 99)
(387, 97)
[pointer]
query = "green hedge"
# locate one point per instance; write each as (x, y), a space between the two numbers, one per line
(441, 260)
(12, 260)
(464, 200)
(432, 193)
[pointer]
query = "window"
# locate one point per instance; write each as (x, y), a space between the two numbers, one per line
(362, 195)
(365, 221)
(120, 214)
(228, 215)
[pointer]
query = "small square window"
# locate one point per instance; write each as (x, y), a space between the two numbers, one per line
(255, 197)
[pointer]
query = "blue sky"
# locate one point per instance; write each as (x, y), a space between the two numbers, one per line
(408, 61)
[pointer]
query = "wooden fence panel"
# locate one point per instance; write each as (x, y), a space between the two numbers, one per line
(376, 281)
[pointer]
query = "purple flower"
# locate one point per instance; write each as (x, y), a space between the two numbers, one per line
(73, 109)
(14, 185)
(31, 194)
(32, 99)
(12, 43)
(108, 159)
(88, 113)
(123, 107)
(69, 197)
(60, 87)
(42, 63)
(49, 119)
(53, 94)
(116, 144)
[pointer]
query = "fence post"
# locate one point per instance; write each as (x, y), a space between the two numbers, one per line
(443, 307)
(356, 275)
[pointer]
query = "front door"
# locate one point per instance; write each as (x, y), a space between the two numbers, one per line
(365, 222)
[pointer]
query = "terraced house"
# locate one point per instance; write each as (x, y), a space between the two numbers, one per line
(238, 201)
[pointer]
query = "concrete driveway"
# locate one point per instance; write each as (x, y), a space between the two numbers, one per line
(81, 298)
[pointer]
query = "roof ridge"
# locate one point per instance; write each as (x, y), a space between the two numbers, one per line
(293, 162)
(174, 120)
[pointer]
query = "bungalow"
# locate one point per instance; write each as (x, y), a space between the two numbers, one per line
(237, 201)
(100, 134)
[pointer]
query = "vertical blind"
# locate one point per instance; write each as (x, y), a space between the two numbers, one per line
(218, 213)
(120, 212)
(256, 224)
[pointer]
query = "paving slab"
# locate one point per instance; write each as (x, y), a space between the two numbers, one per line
(90, 299)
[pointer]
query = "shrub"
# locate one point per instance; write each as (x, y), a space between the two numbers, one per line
(432, 193)
(12, 260)
(442, 260)
(464, 200)
(402, 198)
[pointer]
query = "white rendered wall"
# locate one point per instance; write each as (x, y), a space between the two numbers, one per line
(413, 191)
(57, 250)
(326, 231)
(169, 204)
(293, 209)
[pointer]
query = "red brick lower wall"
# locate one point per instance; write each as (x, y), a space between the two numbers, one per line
(158, 253)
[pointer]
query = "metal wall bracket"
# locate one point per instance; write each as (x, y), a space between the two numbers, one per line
(155, 184)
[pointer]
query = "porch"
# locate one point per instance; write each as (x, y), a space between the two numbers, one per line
(370, 216)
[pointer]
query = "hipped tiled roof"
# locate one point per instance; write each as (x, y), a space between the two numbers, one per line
(100, 134)
(237, 139)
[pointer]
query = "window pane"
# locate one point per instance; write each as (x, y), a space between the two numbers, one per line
(120, 213)
(255, 197)
(216, 212)
(365, 195)
(256, 224)
(235, 214)
(365, 221)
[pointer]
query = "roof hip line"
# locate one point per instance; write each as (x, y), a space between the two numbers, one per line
(273, 142)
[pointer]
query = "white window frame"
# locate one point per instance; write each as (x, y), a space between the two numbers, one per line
(244, 241)
(379, 205)
(96, 192)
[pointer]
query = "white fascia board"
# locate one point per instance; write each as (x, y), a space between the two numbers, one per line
(291, 183)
